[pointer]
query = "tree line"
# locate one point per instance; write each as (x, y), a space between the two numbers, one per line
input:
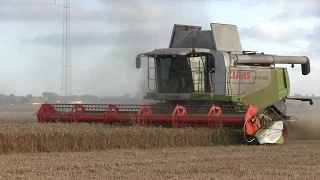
(49, 97)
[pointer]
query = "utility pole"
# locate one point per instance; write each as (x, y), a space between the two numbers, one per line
(66, 53)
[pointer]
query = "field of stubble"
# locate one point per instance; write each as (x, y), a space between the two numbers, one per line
(190, 159)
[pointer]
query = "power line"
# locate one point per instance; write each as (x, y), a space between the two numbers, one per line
(31, 4)
(245, 9)
(27, 4)
(280, 44)
(109, 14)
(152, 22)
(299, 29)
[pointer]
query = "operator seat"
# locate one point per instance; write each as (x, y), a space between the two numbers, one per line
(179, 81)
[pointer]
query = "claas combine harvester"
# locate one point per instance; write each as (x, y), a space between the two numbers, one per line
(204, 78)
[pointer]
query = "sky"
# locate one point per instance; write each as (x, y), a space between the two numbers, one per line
(107, 35)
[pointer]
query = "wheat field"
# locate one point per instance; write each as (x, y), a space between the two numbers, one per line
(48, 137)
(29, 150)
(295, 160)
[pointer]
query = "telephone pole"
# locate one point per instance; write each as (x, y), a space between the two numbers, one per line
(66, 53)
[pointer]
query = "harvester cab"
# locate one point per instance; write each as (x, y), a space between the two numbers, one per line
(203, 78)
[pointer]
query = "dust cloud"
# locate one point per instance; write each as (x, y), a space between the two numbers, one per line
(135, 38)
(307, 126)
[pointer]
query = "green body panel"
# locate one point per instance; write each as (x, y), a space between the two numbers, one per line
(277, 90)
(212, 97)
(283, 83)
(274, 92)
(200, 97)
(266, 96)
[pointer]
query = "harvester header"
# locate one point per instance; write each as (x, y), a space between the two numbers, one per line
(204, 77)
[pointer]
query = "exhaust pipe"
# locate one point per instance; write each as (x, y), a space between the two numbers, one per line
(274, 59)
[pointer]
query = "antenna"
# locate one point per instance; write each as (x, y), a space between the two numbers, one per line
(66, 53)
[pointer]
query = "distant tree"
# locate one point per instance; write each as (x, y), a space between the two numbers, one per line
(15, 101)
(23, 99)
(29, 96)
(3, 99)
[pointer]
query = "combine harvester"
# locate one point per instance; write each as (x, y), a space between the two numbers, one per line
(203, 78)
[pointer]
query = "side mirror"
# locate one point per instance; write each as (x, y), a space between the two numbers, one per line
(138, 61)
